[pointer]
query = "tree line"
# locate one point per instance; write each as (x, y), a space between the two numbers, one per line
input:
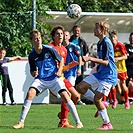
(16, 19)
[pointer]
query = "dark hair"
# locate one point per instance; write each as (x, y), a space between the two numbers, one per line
(76, 26)
(1, 49)
(55, 29)
(131, 34)
(113, 32)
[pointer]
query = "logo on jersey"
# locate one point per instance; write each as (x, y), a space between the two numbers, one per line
(47, 56)
(70, 50)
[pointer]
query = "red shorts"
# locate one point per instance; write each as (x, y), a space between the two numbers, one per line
(67, 84)
(122, 76)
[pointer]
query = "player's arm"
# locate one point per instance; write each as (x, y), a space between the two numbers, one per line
(96, 60)
(34, 73)
(124, 57)
(80, 64)
(60, 67)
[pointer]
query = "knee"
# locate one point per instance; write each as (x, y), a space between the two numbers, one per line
(76, 99)
(31, 94)
(81, 89)
(96, 100)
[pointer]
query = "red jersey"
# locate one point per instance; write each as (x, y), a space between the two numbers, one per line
(62, 51)
(120, 50)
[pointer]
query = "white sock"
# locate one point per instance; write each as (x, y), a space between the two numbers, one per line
(89, 95)
(104, 116)
(25, 110)
(73, 111)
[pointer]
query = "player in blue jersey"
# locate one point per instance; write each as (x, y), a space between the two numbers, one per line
(43, 67)
(106, 75)
(73, 54)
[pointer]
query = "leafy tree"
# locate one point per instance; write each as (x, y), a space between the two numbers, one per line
(16, 23)
(16, 19)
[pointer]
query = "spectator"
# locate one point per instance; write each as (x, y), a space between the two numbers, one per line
(129, 65)
(6, 83)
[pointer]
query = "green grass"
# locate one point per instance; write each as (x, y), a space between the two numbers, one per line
(43, 119)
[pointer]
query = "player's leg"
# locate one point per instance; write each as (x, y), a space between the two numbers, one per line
(66, 98)
(125, 93)
(26, 107)
(115, 101)
(102, 90)
(63, 115)
(36, 88)
(60, 89)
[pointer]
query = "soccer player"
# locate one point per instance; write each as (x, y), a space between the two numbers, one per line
(78, 40)
(73, 54)
(43, 67)
(57, 35)
(120, 54)
(106, 75)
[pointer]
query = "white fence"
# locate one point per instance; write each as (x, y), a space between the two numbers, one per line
(21, 79)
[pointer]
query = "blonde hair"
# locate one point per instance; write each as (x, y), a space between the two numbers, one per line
(104, 26)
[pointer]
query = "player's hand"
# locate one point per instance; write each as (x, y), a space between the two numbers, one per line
(79, 72)
(59, 73)
(86, 58)
(34, 73)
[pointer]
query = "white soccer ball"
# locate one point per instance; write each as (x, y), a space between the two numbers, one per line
(74, 11)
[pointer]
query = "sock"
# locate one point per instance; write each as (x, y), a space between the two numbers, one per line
(73, 111)
(104, 98)
(131, 92)
(126, 95)
(113, 94)
(25, 109)
(64, 111)
(89, 95)
(110, 97)
(104, 116)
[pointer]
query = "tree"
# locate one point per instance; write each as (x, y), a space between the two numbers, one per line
(16, 23)
(16, 19)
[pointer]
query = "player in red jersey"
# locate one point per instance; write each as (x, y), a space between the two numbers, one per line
(120, 54)
(57, 44)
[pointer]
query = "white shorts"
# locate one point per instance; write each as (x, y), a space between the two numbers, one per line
(100, 86)
(54, 85)
(72, 80)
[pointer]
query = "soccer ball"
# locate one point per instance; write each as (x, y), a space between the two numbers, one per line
(74, 11)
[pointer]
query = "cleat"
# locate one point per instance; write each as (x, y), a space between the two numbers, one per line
(127, 105)
(114, 104)
(13, 103)
(106, 106)
(59, 115)
(5, 104)
(19, 125)
(79, 125)
(65, 124)
(80, 103)
(106, 127)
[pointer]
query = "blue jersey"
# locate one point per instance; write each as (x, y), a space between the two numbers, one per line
(72, 55)
(45, 62)
(106, 52)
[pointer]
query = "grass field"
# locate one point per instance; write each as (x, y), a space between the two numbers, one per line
(43, 119)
